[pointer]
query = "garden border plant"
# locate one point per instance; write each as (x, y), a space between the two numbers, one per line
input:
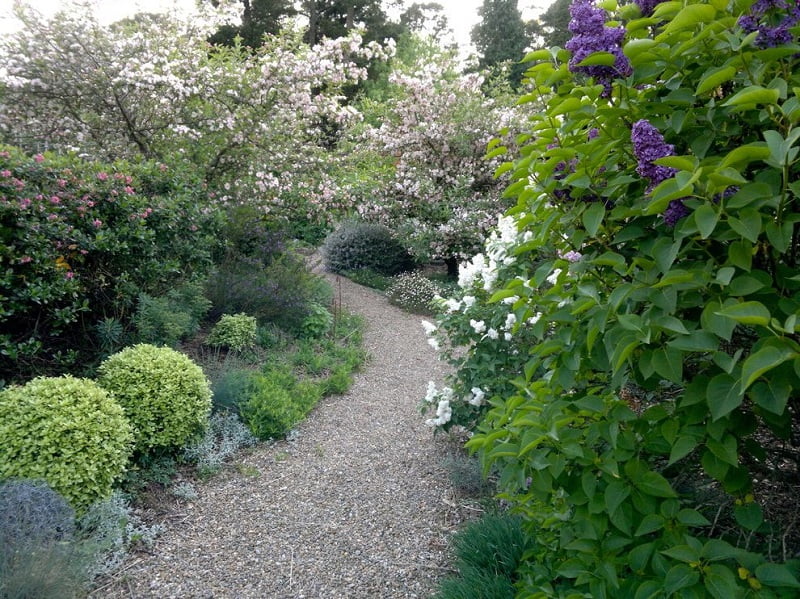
(653, 257)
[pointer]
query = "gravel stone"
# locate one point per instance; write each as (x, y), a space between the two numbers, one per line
(356, 505)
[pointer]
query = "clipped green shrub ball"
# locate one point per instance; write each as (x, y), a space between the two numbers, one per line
(165, 395)
(354, 246)
(237, 332)
(66, 431)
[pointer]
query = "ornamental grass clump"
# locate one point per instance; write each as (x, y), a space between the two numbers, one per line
(165, 395)
(355, 245)
(66, 431)
(413, 292)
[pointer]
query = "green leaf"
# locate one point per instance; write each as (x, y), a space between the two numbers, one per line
(723, 395)
(754, 313)
(650, 523)
(689, 17)
(698, 341)
(780, 236)
(753, 94)
(668, 362)
(681, 163)
(773, 397)
(603, 59)
(750, 515)
(743, 155)
(713, 78)
(640, 555)
(692, 518)
(720, 582)
(776, 575)
(593, 217)
(680, 576)
(683, 446)
(765, 359)
(654, 484)
(706, 218)
(615, 494)
(724, 450)
(682, 553)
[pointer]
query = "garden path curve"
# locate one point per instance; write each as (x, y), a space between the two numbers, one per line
(358, 505)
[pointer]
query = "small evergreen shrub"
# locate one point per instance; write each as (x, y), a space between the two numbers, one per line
(66, 431)
(237, 332)
(165, 395)
(413, 292)
(318, 322)
(230, 390)
(167, 319)
(225, 435)
(356, 246)
(466, 475)
(276, 401)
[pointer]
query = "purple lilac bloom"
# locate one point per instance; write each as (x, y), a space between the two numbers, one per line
(647, 6)
(649, 145)
(764, 17)
(675, 212)
(593, 133)
(590, 35)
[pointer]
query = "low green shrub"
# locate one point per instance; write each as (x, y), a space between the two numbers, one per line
(168, 319)
(355, 246)
(466, 475)
(237, 332)
(276, 402)
(413, 292)
(488, 553)
(69, 432)
(165, 395)
(31, 511)
(318, 322)
(230, 390)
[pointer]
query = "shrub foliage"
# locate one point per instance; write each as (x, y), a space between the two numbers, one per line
(69, 432)
(355, 245)
(654, 259)
(165, 395)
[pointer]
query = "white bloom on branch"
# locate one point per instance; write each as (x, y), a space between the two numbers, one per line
(552, 278)
(478, 326)
(492, 334)
(429, 327)
(511, 320)
(431, 394)
(478, 396)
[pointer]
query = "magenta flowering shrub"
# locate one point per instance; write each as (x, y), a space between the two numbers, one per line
(81, 240)
(647, 433)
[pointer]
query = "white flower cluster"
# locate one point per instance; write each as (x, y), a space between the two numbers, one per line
(430, 331)
(443, 410)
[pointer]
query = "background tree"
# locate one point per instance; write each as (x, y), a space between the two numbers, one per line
(552, 27)
(501, 36)
(259, 17)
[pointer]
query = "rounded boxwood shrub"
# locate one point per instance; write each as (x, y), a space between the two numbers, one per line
(414, 292)
(237, 332)
(164, 394)
(355, 246)
(67, 431)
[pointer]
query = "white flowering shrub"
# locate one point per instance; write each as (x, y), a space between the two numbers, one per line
(413, 292)
(484, 341)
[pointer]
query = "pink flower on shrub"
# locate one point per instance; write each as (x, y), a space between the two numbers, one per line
(55, 200)
(69, 275)
(38, 158)
(102, 176)
(25, 259)
(62, 182)
(24, 203)
(5, 155)
(129, 190)
(97, 223)
(5, 173)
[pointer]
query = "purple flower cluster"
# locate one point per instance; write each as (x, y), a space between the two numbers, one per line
(590, 35)
(647, 6)
(772, 19)
(648, 146)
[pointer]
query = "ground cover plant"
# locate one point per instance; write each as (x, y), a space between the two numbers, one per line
(644, 428)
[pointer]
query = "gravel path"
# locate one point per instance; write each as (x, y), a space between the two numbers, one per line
(358, 505)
